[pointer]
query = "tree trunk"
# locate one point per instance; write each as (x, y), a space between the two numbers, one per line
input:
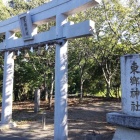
(16, 98)
(45, 88)
(108, 89)
(51, 91)
(46, 94)
(108, 82)
(81, 90)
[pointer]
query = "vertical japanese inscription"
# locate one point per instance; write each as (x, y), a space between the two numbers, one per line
(26, 26)
(134, 81)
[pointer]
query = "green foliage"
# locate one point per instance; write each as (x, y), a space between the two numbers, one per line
(4, 11)
(94, 62)
(22, 6)
(30, 71)
(109, 42)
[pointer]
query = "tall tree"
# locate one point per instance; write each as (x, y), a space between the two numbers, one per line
(4, 11)
(108, 37)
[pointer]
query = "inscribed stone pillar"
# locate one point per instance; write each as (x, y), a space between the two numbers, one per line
(61, 83)
(6, 115)
(130, 81)
(128, 121)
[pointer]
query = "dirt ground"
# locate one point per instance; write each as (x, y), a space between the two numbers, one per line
(85, 119)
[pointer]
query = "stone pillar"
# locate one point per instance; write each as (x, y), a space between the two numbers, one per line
(8, 78)
(7, 93)
(130, 116)
(36, 100)
(130, 81)
(61, 84)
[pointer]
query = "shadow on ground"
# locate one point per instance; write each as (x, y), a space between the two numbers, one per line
(84, 120)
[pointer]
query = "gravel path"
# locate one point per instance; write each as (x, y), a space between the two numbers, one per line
(84, 120)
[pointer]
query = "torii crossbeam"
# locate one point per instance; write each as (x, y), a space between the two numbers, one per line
(56, 10)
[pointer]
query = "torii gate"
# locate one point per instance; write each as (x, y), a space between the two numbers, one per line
(57, 10)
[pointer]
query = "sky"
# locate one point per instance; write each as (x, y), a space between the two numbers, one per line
(125, 1)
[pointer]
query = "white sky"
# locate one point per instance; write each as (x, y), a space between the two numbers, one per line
(125, 1)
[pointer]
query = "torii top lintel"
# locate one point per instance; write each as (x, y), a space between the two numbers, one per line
(48, 11)
(44, 13)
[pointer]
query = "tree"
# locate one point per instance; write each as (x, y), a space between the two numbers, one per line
(20, 6)
(80, 61)
(131, 36)
(94, 63)
(4, 11)
(112, 23)
(108, 39)
(40, 64)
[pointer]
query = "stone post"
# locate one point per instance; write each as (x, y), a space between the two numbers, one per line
(128, 122)
(61, 83)
(7, 93)
(37, 100)
(44, 121)
(6, 115)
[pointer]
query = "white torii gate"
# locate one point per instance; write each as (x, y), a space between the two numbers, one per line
(56, 10)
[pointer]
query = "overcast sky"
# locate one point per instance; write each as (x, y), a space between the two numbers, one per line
(125, 1)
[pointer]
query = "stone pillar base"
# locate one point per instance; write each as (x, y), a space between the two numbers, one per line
(123, 133)
(123, 120)
(7, 126)
(128, 127)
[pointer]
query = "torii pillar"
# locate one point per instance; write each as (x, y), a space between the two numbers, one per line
(7, 93)
(61, 83)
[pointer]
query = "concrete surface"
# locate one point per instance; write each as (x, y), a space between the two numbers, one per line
(123, 133)
(123, 120)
